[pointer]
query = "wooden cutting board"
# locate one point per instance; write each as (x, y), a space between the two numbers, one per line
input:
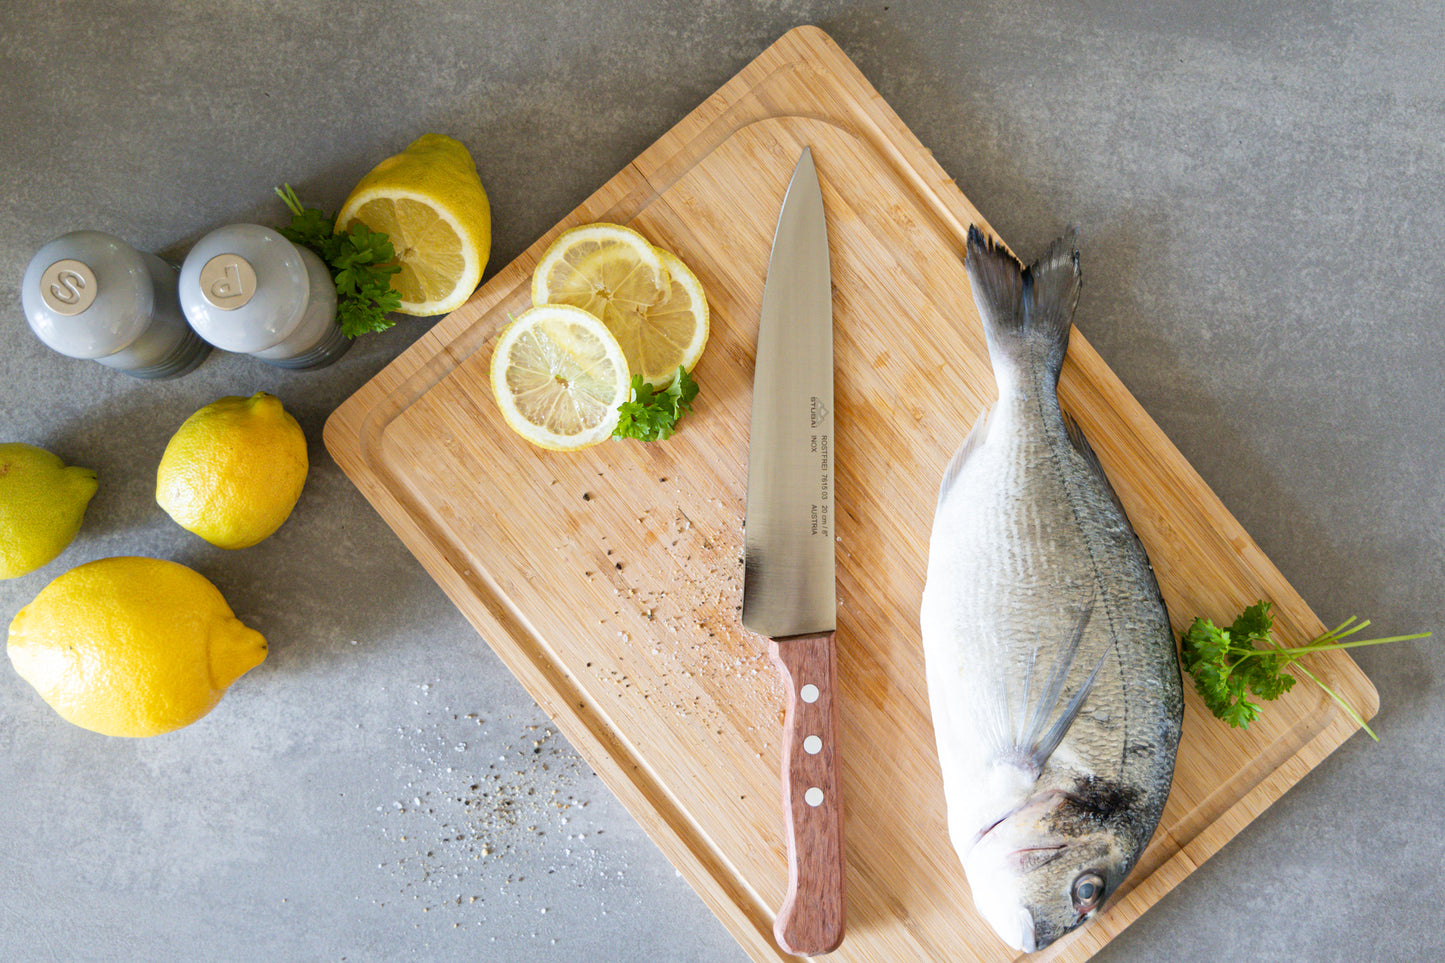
(609, 580)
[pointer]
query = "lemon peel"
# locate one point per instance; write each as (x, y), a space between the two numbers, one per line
(132, 646)
(234, 470)
(42, 505)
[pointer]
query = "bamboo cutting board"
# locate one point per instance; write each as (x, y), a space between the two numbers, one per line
(609, 580)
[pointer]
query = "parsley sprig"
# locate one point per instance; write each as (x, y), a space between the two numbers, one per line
(1229, 663)
(361, 262)
(652, 414)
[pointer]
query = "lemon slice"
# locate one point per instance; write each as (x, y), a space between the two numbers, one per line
(600, 268)
(646, 296)
(670, 333)
(559, 377)
(430, 202)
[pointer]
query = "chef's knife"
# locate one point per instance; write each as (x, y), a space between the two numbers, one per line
(789, 592)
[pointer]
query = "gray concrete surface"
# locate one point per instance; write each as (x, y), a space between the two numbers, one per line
(1259, 194)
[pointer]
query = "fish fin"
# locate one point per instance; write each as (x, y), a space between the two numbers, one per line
(1031, 738)
(997, 279)
(1024, 307)
(1049, 741)
(1086, 450)
(977, 435)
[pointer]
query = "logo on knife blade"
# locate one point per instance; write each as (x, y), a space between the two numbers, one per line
(818, 412)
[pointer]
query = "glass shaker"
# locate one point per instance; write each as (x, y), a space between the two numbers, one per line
(88, 294)
(247, 289)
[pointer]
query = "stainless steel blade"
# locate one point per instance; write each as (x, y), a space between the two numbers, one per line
(788, 578)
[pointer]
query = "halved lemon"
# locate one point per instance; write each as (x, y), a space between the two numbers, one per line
(646, 296)
(559, 377)
(430, 202)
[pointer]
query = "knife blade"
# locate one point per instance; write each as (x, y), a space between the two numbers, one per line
(789, 588)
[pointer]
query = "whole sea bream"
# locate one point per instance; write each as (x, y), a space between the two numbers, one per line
(1053, 679)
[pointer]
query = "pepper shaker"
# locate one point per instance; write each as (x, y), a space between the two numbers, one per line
(247, 289)
(88, 294)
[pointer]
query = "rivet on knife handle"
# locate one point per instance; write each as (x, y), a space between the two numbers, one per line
(810, 921)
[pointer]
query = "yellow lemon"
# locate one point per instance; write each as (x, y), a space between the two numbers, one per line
(42, 503)
(430, 202)
(650, 301)
(132, 646)
(233, 471)
(558, 376)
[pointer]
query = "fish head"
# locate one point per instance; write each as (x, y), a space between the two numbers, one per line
(1047, 868)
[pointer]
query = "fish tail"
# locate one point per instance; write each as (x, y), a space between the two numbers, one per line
(1026, 311)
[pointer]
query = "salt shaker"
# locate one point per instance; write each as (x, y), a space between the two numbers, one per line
(88, 294)
(247, 289)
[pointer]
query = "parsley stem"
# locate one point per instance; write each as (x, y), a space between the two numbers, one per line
(287, 194)
(1317, 645)
(1329, 642)
(1241, 656)
(1342, 703)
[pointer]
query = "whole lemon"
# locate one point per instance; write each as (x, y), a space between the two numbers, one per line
(233, 471)
(132, 646)
(42, 503)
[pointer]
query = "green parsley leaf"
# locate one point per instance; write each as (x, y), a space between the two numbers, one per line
(1229, 664)
(1253, 623)
(1239, 714)
(652, 414)
(361, 262)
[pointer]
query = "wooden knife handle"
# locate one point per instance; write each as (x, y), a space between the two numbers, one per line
(811, 918)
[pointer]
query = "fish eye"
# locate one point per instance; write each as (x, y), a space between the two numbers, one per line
(1088, 892)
